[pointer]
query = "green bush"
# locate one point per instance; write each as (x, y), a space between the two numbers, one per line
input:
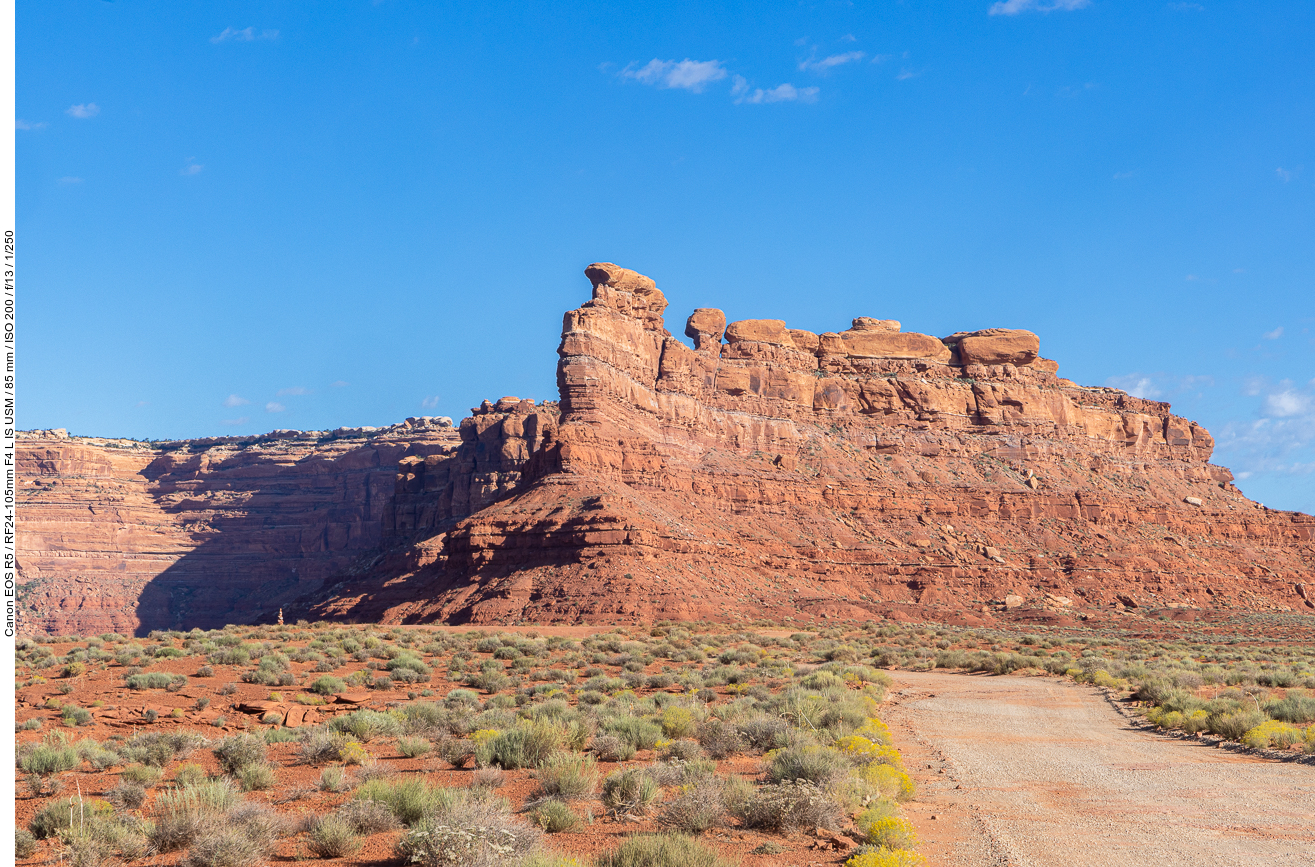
(472, 833)
(332, 836)
(25, 845)
(662, 850)
(62, 814)
(554, 816)
(236, 752)
(327, 685)
(154, 680)
(525, 745)
(1235, 724)
(631, 791)
(815, 764)
(787, 807)
(255, 777)
(611, 748)
(368, 817)
(409, 798)
(412, 747)
(365, 725)
(46, 759)
(697, 807)
(319, 746)
(142, 775)
(567, 775)
(1297, 707)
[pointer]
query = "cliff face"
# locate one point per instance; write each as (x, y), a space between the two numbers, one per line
(117, 535)
(841, 474)
(765, 472)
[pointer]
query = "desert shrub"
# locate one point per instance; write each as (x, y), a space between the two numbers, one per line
(183, 814)
(880, 826)
(610, 748)
(126, 795)
(142, 775)
(472, 833)
(681, 751)
(631, 791)
(1296, 707)
(25, 845)
(720, 739)
(236, 752)
(365, 725)
(332, 836)
(154, 680)
(255, 777)
(319, 746)
(75, 716)
(368, 817)
(661, 850)
(47, 759)
(818, 765)
(525, 745)
(224, 847)
(786, 807)
(677, 722)
(862, 751)
(490, 681)
(189, 774)
(412, 747)
(1235, 724)
(696, 808)
(1272, 733)
(100, 757)
(457, 752)
(762, 732)
(62, 814)
(333, 779)
(880, 856)
(890, 781)
(352, 753)
(409, 798)
(205, 671)
(820, 680)
(567, 775)
(554, 816)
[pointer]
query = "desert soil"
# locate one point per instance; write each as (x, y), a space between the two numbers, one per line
(1035, 771)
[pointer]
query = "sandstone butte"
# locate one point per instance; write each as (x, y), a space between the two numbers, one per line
(768, 472)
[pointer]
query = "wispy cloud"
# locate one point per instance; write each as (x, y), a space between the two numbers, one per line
(235, 400)
(1135, 384)
(828, 63)
(246, 34)
(192, 168)
(82, 112)
(295, 390)
(19, 123)
(1273, 335)
(339, 384)
(1187, 7)
(906, 74)
(1015, 7)
(787, 92)
(1287, 403)
(691, 75)
(430, 402)
(68, 180)
(1284, 175)
(1280, 442)
(235, 421)
(274, 407)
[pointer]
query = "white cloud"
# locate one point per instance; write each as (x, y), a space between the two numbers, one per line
(1136, 385)
(19, 123)
(83, 112)
(692, 75)
(295, 390)
(235, 400)
(247, 34)
(1286, 404)
(192, 168)
(1014, 7)
(906, 74)
(781, 93)
(69, 179)
(243, 420)
(1284, 175)
(274, 407)
(430, 402)
(1273, 335)
(338, 384)
(829, 63)
(1187, 7)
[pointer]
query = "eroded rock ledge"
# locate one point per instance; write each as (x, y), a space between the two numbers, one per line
(767, 471)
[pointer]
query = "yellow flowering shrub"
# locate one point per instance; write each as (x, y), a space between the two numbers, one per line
(891, 782)
(884, 857)
(1272, 733)
(862, 749)
(882, 828)
(352, 753)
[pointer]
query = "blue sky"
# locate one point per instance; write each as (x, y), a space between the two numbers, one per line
(235, 217)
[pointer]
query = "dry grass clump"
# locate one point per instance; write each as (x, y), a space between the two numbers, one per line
(470, 832)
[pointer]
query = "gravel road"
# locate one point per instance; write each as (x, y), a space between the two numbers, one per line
(1035, 771)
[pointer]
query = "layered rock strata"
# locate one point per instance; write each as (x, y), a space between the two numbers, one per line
(765, 471)
(785, 473)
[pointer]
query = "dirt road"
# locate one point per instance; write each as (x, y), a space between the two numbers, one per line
(1034, 772)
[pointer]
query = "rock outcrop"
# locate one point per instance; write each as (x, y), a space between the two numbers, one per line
(780, 474)
(790, 474)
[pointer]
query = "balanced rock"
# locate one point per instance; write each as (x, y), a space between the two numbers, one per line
(760, 331)
(996, 346)
(867, 323)
(705, 327)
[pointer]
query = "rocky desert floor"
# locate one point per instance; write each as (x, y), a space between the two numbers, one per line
(1023, 747)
